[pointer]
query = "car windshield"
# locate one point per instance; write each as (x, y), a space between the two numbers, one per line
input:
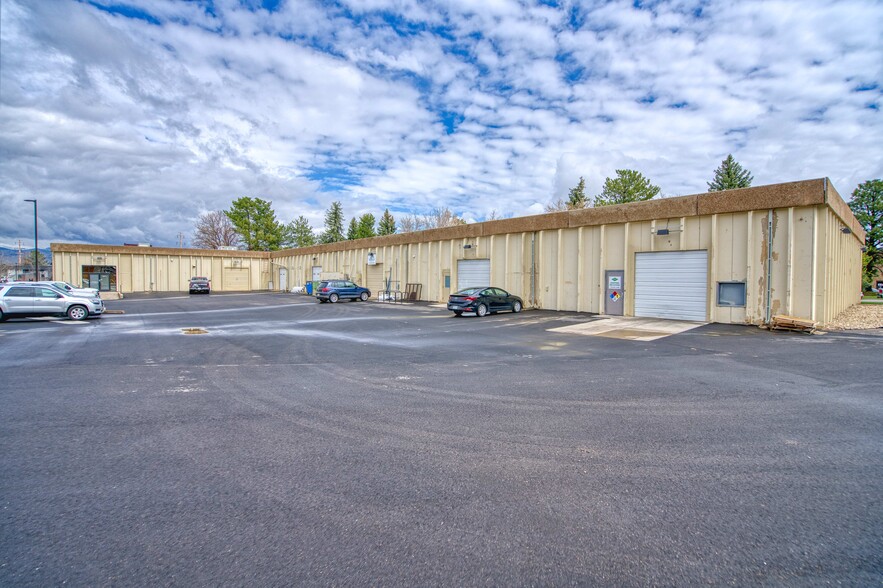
(468, 291)
(199, 280)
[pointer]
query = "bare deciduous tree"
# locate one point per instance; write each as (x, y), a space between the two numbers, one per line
(436, 219)
(557, 206)
(214, 230)
(441, 217)
(410, 223)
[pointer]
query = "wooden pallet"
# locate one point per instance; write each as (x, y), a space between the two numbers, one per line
(783, 322)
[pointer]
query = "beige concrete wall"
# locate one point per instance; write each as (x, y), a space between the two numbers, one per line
(153, 269)
(557, 261)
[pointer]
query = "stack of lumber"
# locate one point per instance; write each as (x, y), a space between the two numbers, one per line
(792, 323)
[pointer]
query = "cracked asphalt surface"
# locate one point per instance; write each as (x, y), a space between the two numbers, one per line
(297, 443)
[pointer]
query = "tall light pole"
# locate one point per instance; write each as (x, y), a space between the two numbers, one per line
(36, 245)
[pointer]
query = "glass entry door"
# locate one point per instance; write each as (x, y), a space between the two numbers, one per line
(99, 281)
(101, 277)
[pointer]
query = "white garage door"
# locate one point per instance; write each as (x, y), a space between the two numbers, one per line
(473, 272)
(671, 284)
(375, 279)
(236, 279)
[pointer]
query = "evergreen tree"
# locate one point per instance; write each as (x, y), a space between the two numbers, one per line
(333, 224)
(300, 233)
(577, 197)
(387, 224)
(628, 186)
(365, 228)
(867, 206)
(255, 222)
(729, 175)
(352, 231)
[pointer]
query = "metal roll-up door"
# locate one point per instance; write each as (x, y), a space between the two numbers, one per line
(672, 285)
(375, 280)
(473, 272)
(236, 279)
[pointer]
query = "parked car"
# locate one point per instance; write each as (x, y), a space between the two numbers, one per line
(64, 287)
(483, 300)
(23, 300)
(334, 290)
(200, 286)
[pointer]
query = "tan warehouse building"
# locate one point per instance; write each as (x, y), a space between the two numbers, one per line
(739, 256)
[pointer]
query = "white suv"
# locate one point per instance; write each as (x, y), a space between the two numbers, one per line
(22, 300)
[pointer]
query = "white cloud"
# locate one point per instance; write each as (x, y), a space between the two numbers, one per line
(126, 126)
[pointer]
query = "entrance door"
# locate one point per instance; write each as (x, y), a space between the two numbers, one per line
(99, 281)
(615, 298)
(672, 285)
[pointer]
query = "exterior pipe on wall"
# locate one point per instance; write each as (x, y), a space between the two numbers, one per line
(769, 267)
(533, 270)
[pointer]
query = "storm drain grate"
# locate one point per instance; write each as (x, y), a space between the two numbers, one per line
(194, 331)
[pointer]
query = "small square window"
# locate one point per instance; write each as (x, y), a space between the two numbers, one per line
(731, 293)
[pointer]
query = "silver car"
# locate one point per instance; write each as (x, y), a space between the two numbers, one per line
(64, 287)
(29, 299)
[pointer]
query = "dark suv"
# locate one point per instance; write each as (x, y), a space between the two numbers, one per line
(334, 290)
(200, 286)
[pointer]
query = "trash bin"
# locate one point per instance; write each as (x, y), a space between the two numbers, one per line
(310, 288)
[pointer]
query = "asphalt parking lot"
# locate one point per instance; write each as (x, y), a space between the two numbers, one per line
(286, 442)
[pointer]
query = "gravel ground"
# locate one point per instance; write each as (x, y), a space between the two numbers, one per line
(858, 316)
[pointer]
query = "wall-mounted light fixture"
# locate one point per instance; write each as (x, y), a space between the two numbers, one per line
(467, 246)
(846, 231)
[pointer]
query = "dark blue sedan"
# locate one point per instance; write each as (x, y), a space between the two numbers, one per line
(334, 290)
(483, 300)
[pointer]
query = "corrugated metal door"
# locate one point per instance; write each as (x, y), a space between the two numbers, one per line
(236, 279)
(672, 285)
(375, 280)
(473, 272)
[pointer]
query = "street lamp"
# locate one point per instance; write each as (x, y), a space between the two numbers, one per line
(36, 245)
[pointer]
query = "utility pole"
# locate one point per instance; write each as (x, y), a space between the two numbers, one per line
(36, 243)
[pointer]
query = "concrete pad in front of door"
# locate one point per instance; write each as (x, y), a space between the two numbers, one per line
(628, 327)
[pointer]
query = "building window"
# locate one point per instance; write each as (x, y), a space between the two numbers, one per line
(731, 293)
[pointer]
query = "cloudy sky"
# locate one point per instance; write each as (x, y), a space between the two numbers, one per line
(129, 119)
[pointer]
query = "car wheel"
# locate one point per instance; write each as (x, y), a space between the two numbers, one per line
(458, 313)
(2, 316)
(333, 298)
(516, 306)
(363, 296)
(77, 312)
(481, 310)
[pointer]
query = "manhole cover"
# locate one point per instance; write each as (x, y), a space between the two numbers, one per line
(194, 331)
